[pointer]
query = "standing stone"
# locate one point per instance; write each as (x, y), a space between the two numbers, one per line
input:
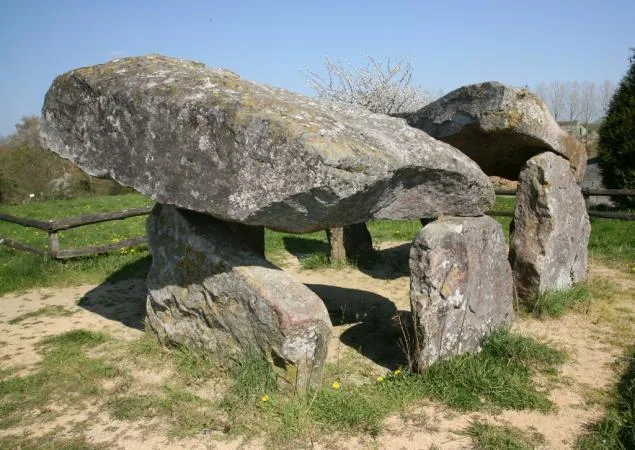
(335, 236)
(209, 141)
(211, 290)
(498, 126)
(352, 243)
(460, 286)
(551, 228)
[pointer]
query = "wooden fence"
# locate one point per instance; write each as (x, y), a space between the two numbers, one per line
(586, 193)
(52, 227)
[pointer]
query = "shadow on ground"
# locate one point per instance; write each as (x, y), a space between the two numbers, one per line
(303, 246)
(122, 297)
(389, 263)
(375, 331)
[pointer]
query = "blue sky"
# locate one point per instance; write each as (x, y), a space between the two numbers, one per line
(451, 43)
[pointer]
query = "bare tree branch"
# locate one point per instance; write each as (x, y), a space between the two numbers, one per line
(381, 87)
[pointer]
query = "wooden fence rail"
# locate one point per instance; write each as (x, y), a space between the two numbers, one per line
(53, 226)
(586, 193)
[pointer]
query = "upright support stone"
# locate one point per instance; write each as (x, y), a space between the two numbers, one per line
(548, 245)
(352, 242)
(335, 236)
(460, 286)
(210, 291)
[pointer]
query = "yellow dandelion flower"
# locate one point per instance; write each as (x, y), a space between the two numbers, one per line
(264, 398)
(397, 372)
(335, 385)
(380, 379)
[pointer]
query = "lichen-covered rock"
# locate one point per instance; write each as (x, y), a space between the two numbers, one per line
(212, 292)
(498, 126)
(460, 286)
(550, 232)
(206, 140)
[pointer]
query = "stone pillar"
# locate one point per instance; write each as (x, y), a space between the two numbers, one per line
(211, 290)
(460, 286)
(335, 236)
(548, 245)
(352, 242)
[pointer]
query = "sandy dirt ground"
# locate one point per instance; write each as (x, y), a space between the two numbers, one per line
(363, 305)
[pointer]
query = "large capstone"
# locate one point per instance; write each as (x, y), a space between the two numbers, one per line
(460, 286)
(550, 231)
(206, 140)
(211, 290)
(498, 126)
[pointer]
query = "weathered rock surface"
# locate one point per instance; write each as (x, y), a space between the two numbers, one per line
(206, 140)
(550, 232)
(460, 285)
(210, 290)
(498, 126)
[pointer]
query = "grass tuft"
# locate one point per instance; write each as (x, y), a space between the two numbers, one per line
(617, 429)
(501, 376)
(253, 378)
(491, 437)
(321, 261)
(49, 311)
(192, 365)
(65, 374)
(555, 303)
(187, 413)
(49, 442)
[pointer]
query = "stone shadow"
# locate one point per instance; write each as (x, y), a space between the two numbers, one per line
(389, 263)
(375, 333)
(122, 296)
(303, 246)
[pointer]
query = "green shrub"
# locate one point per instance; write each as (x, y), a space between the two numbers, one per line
(617, 138)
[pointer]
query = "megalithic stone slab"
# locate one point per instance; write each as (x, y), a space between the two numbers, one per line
(206, 140)
(550, 233)
(461, 286)
(212, 291)
(498, 126)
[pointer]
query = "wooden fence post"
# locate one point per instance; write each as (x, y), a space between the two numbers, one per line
(54, 244)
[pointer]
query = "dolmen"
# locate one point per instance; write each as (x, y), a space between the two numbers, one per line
(510, 133)
(224, 157)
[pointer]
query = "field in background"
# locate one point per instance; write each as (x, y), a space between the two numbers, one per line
(612, 241)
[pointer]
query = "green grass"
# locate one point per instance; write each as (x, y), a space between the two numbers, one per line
(612, 241)
(48, 442)
(49, 311)
(616, 431)
(21, 271)
(500, 377)
(555, 303)
(192, 365)
(491, 437)
(186, 413)
(65, 375)
(76, 365)
(88, 235)
(68, 375)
